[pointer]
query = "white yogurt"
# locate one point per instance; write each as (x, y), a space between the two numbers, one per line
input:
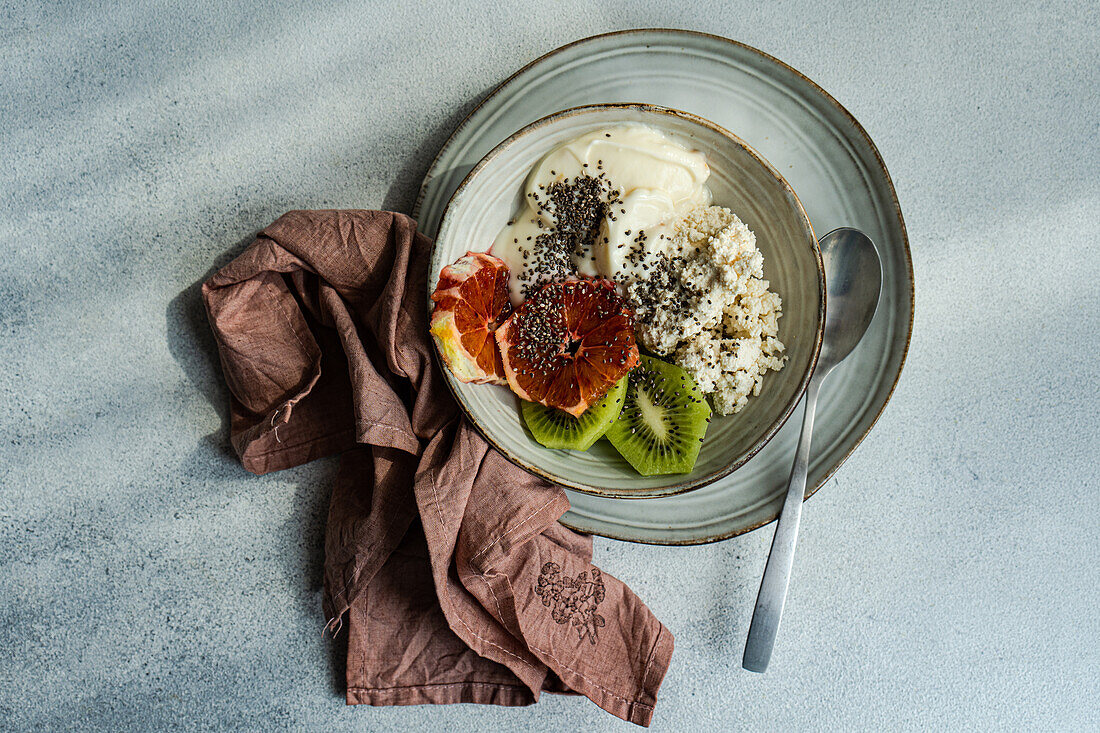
(657, 179)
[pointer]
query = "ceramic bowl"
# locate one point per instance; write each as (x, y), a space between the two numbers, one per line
(740, 180)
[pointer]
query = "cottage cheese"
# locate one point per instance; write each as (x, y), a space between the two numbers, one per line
(709, 308)
(729, 363)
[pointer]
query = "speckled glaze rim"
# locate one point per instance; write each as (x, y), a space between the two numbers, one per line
(676, 487)
(813, 487)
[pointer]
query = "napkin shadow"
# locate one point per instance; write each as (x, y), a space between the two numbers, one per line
(304, 528)
(338, 662)
(191, 343)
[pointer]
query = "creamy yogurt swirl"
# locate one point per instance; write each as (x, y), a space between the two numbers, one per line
(652, 181)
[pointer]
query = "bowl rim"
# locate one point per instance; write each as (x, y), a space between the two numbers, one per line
(679, 487)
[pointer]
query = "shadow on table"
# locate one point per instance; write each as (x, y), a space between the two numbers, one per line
(405, 188)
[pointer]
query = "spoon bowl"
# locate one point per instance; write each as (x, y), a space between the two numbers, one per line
(853, 279)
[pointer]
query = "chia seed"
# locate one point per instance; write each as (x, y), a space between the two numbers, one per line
(544, 334)
(569, 216)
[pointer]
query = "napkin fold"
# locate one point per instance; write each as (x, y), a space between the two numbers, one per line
(444, 561)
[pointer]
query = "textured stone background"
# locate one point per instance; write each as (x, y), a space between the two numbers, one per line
(946, 579)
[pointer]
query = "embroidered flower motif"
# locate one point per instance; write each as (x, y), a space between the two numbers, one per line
(573, 600)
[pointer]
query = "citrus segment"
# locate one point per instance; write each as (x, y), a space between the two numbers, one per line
(566, 345)
(471, 300)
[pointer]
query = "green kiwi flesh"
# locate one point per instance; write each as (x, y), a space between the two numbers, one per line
(556, 428)
(663, 420)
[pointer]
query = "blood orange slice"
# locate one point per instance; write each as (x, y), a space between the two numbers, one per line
(566, 345)
(471, 300)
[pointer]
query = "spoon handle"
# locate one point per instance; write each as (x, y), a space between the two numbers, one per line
(777, 573)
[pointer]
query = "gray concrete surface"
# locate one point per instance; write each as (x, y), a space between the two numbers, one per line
(947, 577)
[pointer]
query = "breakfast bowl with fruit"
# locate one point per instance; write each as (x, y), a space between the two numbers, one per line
(626, 299)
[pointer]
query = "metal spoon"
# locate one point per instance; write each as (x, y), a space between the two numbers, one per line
(853, 278)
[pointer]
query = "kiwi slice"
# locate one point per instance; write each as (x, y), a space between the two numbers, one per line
(663, 420)
(556, 428)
